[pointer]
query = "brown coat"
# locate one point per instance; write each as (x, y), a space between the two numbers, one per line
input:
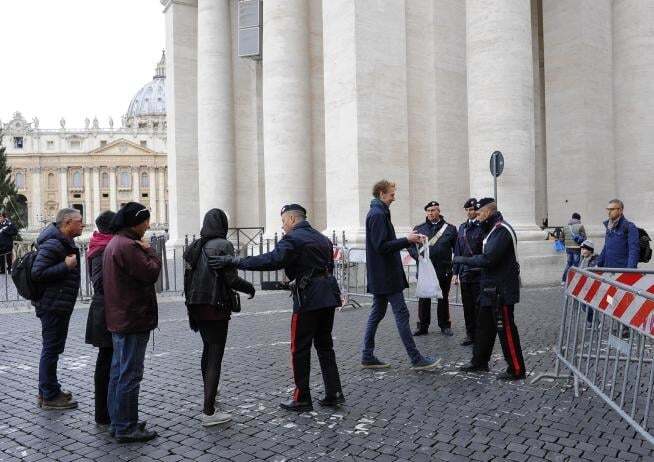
(129, 274)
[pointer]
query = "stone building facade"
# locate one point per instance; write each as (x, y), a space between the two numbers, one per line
(93, 168)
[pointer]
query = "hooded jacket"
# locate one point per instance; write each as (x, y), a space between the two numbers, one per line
(203, 285)
(60, 283)
(96, 325)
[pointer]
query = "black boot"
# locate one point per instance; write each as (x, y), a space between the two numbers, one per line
(332, 401)
(296, 406)
(420, 330)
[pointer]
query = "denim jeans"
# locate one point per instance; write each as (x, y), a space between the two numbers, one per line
(54, 330)
(125, 381)
(401, 313)
(574, 256)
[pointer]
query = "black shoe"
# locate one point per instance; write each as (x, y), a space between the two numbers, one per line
(471, 367)
(374, 363)
(467, 341)
(296, 406)
(332, 401)
(137, 435)
(510, 377)
(140, 426)
(447, 331)
(420, 332)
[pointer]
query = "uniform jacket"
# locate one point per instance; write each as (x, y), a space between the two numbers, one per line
(500, 271)
(8, 232)
(621, 246)
(129, 274)
(383, 262)
(61, 284)
(302, 252)
(440, 253)
(469, 242)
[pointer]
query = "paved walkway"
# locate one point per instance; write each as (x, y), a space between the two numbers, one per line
(389, 416)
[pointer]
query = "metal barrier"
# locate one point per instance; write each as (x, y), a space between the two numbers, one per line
(606, 340)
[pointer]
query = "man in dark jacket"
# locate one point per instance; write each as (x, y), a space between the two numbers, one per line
(500, 291)
(8, 232)
(442, 238)
(621, 243)
(468, 243)
(386, 278)
(130, 269)
(56, 269)
(307, 258)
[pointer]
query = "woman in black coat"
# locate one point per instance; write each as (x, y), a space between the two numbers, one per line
(96, 326)
(210, 300)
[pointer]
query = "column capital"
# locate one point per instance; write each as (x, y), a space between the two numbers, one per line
(168, 3)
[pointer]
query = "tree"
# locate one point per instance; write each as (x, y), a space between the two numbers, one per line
(9, 202)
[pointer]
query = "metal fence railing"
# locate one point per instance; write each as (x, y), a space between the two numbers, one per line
(606, 340)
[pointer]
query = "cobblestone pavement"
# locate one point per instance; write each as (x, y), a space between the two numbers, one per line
(389, 416)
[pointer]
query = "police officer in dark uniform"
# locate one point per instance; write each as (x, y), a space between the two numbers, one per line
(306, 256)
(442, 238)
(469, 243)
(500, 291)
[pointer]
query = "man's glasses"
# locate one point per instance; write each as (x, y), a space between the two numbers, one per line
(610, 209)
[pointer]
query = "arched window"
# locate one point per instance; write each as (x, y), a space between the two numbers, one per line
(145, 180)
(77, 179)
(51, 181)
(104, 180)
(125, 178)
(19, 181)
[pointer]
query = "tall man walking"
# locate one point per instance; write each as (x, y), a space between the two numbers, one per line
(386, 278)
(441, 239)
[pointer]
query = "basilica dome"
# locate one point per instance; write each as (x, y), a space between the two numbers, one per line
(149, 104)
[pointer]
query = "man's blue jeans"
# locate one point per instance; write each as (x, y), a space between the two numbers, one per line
(125, 381)
(401, 313)
(574, 256)
(54, 329)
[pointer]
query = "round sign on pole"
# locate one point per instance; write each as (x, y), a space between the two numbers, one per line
(496, 163)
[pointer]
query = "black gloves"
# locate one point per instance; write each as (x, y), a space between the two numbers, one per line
(223, 261)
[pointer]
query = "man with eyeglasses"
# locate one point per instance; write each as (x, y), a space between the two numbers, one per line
(621, 242)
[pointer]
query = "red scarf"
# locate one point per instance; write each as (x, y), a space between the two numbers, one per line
(97, 243)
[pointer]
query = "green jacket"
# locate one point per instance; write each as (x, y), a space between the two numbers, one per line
(568, 230)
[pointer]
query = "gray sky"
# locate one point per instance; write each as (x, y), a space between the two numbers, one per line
(76, 58)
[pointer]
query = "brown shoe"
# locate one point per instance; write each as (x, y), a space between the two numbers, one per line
(61, 401)
(66, 393)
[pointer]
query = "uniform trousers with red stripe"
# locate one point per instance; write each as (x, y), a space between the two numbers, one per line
(313, 327)
(498, 320)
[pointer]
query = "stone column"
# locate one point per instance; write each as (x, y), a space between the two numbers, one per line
(113, 197)
(286, 107)
(216, 154)
(36, 201)
(152, 196)
(161, 195)
(501, 104)
(365, 79)
(181, 106)
(63, 187)
(136, 185)
(633, 93)
(89, 211)
(97, 192)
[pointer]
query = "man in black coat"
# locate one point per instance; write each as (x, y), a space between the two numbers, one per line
(307, 258)
(386, 278)
(8, 232)
(56, 269)
(442, 238)
(468, 243)
(500, 291)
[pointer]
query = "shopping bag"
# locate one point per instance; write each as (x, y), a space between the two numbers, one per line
(428, 286)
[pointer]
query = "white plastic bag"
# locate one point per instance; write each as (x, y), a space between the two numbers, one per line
(428, 286)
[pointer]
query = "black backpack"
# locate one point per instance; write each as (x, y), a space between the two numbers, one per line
(645, 249)
(21, 274)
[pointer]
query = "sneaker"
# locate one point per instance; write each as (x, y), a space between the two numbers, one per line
(137, 435)
(296, 406)
(332, 401)
(467, 341)
(215, 419)
(425, 364)
(60, 402)
(472, 367)
(374, 363)
(447, 331)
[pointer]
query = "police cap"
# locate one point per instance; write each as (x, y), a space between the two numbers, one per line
(432, 204)
(471, 203)
(483, 202)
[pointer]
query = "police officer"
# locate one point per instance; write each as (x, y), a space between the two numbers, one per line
(500, 291)
(306, 256)
(442, 238)
(468, 243)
